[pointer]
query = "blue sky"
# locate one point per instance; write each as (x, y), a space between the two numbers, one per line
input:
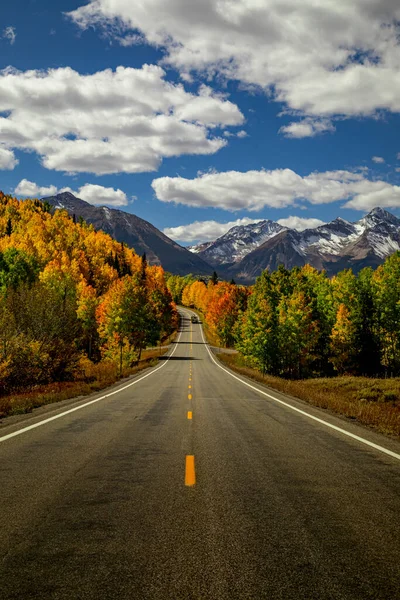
(245, 110)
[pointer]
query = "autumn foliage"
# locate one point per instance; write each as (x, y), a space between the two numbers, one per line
(70, 294)
(300, 323)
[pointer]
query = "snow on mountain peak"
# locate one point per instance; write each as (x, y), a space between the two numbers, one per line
(238, 241)
(379, 231)
(378, 215)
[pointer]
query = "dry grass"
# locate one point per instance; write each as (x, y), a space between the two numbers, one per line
(90, 378)
(372, 402)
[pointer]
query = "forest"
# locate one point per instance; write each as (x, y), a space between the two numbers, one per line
(72, 298)
(301, 324)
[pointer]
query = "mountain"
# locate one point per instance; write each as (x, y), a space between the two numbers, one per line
(282, 249)
(135, 233)
(333, 246)
(237, 242)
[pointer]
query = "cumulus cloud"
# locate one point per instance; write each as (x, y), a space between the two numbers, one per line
(204, 230)
(94, 194)
(255, 190)
(29, 189)
(306, 128)
(300, 223)
(8, 161)
(99, 195)
(378, 159)
(10, 34)
(378, 194)
(320, 58)
(125, 120)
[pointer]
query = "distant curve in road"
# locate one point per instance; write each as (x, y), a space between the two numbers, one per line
(187, 483)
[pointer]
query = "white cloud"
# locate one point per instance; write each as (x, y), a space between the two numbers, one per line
(300, 223)
(8, 161)
(378, 159)
(320, 58)
(255, 190)
(29, 189)
(94, 194)
(99, 195)
(125, 120)
(306, 128)
(10, 34)
(379, 193)
(130, 40)
(204, 230)
(239, 134)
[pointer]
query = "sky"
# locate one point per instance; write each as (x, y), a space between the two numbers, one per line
(198, 116)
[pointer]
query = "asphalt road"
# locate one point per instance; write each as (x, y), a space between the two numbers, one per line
(129, 498)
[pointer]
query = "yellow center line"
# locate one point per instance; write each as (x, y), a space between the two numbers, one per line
(189, 396)
(190, 415)
(190, 387)
(190, 475)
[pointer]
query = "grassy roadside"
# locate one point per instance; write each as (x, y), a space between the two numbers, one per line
(97, 377)
(372, 402)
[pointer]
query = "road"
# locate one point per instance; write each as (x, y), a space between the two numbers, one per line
(129, 498)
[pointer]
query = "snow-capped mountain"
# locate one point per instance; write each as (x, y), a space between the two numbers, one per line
(334, 246)
(237, 242)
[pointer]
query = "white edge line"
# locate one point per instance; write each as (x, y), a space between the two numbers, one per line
(302, 412)
(71, 410)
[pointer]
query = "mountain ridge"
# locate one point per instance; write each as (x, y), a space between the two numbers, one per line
(135, 232)
(245, 251)
(332, 246)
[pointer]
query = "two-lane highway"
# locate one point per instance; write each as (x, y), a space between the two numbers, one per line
(186, 483)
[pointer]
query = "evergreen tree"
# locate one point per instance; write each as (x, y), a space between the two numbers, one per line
(117, 265)
(365, 319)
(214, 278)
(143, 267)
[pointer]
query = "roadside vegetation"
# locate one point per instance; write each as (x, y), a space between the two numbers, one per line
(298, 324)
(334, 342)
(371, 401)
(89, 377)
(77, 308)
